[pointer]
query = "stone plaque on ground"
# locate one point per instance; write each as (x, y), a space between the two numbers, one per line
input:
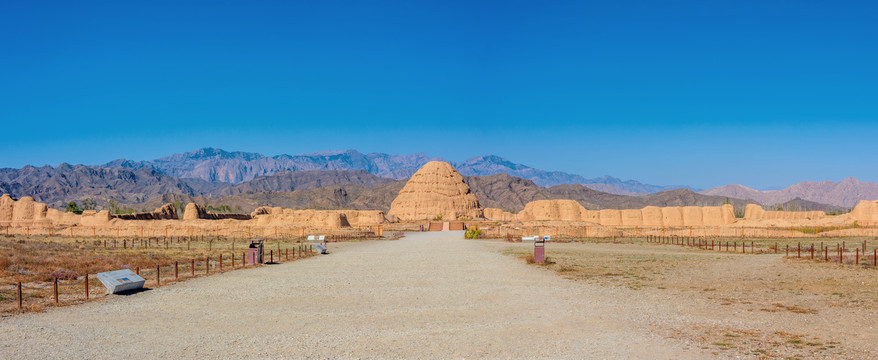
(121, 280)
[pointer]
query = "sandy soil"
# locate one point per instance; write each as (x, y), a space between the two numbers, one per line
(430, 295)
(736, 305)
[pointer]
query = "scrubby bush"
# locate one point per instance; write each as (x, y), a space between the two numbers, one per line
(473, 233)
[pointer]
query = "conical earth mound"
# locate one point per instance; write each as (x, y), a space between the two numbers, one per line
(436, 190)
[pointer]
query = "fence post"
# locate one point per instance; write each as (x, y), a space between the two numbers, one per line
(158, 276)
(56, 290)
(207, 265)
(193, 267)
(19, 294)
(176, 270)
(86, 286)
(857, 258)
(221, 263)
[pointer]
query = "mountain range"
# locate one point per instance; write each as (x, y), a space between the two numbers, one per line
(845, 193)
(216, 165)
(338, 179)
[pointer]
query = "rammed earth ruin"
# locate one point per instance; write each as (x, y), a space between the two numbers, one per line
(436, 191)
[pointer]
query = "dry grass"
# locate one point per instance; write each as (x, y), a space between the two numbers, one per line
(757, 344)
(730, 285)
(37, 261)
(43, 259)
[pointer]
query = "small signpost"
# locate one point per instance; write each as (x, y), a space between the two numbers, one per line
(121, 280)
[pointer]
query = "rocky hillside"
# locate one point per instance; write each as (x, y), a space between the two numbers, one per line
(219, 166)
(500, 191)
(845, 193)
(57, 185)
(492, 164)
(287, 181)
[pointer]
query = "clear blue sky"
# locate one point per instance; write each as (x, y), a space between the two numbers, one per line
(703, 93)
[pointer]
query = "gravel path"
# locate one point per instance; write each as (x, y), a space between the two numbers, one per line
(429, 295)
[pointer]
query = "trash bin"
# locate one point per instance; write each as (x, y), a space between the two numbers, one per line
(540, 249)
(254, 253)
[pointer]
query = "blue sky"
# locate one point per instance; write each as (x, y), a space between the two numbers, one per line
(702, 93)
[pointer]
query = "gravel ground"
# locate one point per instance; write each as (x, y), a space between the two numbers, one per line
(429, 295)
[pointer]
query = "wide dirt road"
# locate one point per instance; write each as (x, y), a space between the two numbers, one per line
(429, 295)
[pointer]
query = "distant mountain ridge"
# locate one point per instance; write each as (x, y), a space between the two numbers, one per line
(217, 165)
(845, 193)
(145, 188)
(57, 185)
(217, 173)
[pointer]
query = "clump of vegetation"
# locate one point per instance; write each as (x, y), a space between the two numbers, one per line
(221, 209)
(78, 208)
(73, 208)
(438, 218)
(473, 233)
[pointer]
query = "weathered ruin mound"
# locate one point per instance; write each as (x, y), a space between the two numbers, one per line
(436, 190)
(194, 211)
(866, 212)
(6, 206)
(165, 212)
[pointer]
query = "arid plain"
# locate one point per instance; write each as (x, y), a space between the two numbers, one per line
(657, 282)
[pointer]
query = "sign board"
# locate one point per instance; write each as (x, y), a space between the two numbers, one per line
(547, 238)
(121, 280)
(316, 237)
(529, 238)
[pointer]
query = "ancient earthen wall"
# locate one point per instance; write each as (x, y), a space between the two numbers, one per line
(569, 210)
(652, 216)
(194, 211)
(164, 212)
(498, 214)
(23, 209)
(756, 212)
(95, 218)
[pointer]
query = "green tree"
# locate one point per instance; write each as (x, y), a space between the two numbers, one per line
(88, 204)
(72, 208)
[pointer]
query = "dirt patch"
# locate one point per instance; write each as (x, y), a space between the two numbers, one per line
(758, 296)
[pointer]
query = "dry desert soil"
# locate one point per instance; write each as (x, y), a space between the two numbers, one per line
(436, 295)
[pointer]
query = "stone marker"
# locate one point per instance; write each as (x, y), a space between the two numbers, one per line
(121, 280)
